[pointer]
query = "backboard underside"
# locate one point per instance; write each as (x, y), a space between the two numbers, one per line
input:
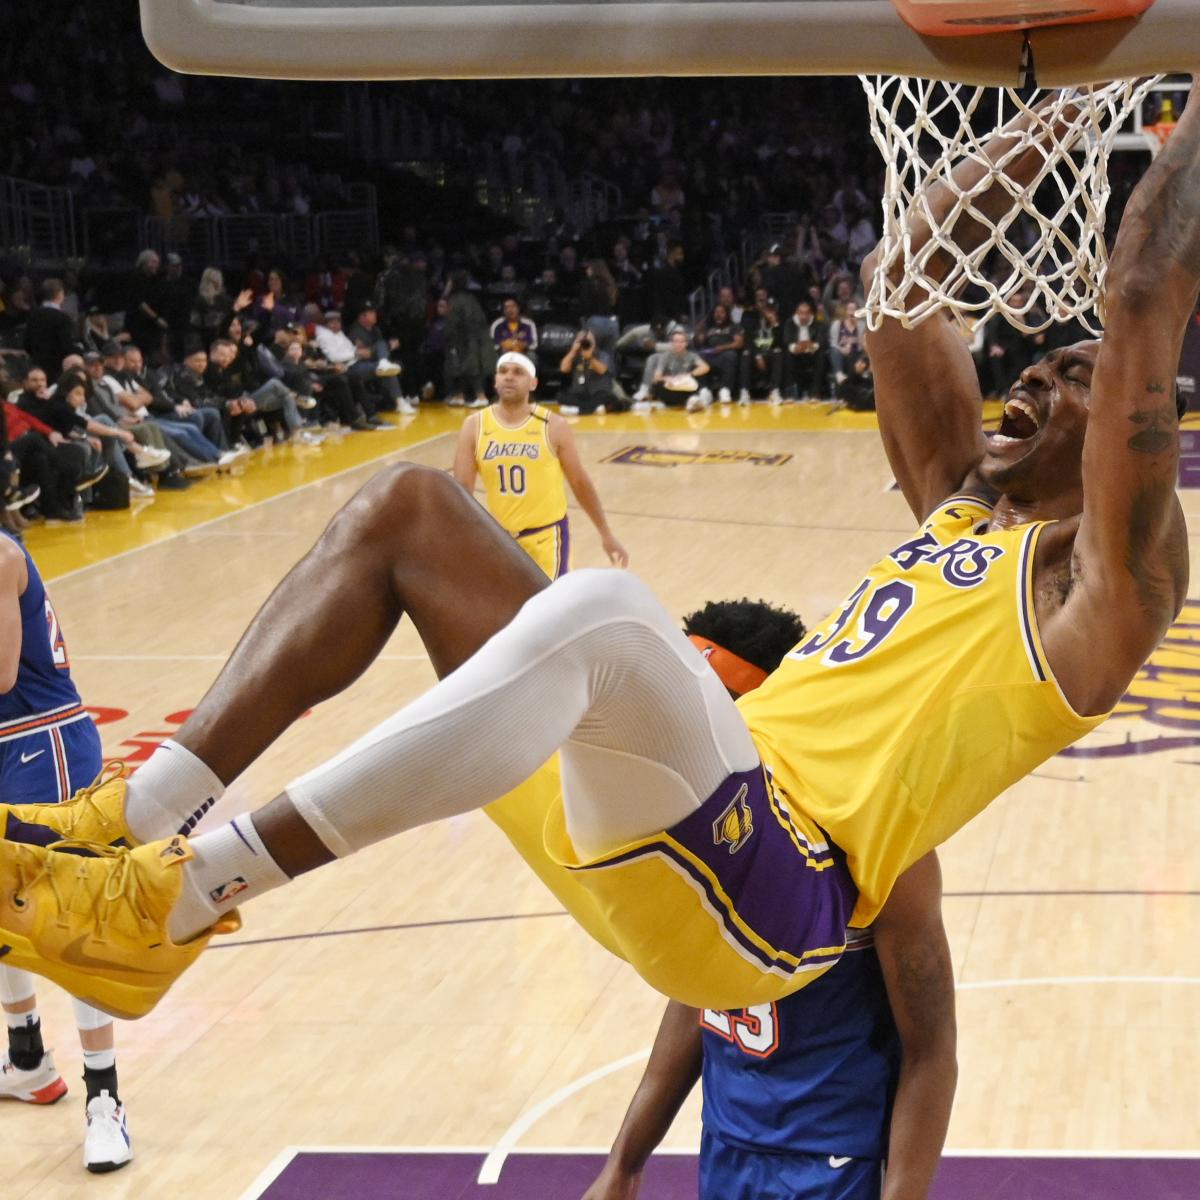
(348, 39)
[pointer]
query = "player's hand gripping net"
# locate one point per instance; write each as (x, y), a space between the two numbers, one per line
(1033, 272)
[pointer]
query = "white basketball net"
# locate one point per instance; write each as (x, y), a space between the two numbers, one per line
(1035, 271)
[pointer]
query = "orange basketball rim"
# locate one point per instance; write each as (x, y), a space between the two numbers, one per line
(956, 18)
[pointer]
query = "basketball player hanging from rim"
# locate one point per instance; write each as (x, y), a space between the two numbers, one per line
(726, 845)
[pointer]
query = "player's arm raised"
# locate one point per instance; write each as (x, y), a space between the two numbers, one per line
(1129, 571)
(584, 490)
(910, 940)
(464, 452)
(674, 1066)
(14, 577)
(926, 388)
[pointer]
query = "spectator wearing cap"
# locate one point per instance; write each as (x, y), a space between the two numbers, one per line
(372, 365)
(50, 332)
(198, 430)
(236, 374)
(188, 385)
(512, 331)
(192, 454)
(151, 453)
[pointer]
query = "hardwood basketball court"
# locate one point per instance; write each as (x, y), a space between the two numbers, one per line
(429, 993)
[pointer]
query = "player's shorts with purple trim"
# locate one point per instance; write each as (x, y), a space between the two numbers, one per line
(738, 904)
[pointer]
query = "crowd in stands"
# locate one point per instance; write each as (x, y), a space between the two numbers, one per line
(174, 373)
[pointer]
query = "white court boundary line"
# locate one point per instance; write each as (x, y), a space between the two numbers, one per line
(237, 512)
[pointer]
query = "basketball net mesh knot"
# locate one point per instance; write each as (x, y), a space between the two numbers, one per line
(1035, 272)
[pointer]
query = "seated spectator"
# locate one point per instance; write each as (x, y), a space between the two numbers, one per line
(762, 362)
(151, 454)
(50, 332)
(234, 374)
(309, 373)
(512, 331)
(728, 297)
(721, 343)
(805, 347)
(65, 409)
(278, 305)
(857, 390)
(845, 341)
(192, 454)
(590, 389)
(189, 382)
(379, 374)
(58, 466)
(677, 375)
(639, 349)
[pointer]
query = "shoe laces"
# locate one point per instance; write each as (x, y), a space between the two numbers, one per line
(87, 796)
(61, 872)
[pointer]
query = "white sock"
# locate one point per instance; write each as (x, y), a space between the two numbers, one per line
(231, 866)
(99, 1060)
(170, 794)
(21, 1020)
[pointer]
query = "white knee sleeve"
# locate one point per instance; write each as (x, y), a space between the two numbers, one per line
(15, 985)
(88, 1018)
(594, 659)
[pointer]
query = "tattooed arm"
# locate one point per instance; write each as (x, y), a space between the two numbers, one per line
(915, 957)
(1130, 568)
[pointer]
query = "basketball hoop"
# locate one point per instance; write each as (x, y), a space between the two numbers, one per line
(1033, 267)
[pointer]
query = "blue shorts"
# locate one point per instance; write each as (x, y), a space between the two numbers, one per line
(732, 1173)
(51, 765)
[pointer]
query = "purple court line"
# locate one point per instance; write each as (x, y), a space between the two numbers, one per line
(402, 927)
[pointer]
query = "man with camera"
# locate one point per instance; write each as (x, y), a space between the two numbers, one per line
(589, 388)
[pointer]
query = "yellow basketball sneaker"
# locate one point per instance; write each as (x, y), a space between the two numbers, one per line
(93, 919)
(95, 813)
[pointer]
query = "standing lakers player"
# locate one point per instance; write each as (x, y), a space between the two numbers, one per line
(524, 453)
(727, 845)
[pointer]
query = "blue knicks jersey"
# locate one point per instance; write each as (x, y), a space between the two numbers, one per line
(814, 1073)
(43, 694)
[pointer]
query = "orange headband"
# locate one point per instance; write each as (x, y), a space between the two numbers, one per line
(738, 675)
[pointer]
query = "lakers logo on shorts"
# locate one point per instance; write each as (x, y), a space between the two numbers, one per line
(735, 825)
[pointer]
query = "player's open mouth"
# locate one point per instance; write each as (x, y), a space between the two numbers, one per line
(1021, 422)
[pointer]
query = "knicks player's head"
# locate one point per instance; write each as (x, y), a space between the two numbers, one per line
(743, 640)
(1037, 453)
(516, 378)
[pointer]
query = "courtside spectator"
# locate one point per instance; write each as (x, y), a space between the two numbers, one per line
(805, 353)
(512, 331)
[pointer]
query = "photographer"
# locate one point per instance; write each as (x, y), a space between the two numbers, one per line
(590, 388)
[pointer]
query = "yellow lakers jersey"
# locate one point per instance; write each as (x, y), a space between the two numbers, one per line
(522, 477)
(921, 699)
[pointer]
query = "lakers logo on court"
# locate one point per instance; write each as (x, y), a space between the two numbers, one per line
(735, 824)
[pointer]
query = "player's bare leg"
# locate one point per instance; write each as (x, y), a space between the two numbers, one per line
(410, 542)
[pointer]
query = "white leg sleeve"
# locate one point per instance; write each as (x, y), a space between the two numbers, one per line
(88, 1018)
(15, 985)
(593, 662)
